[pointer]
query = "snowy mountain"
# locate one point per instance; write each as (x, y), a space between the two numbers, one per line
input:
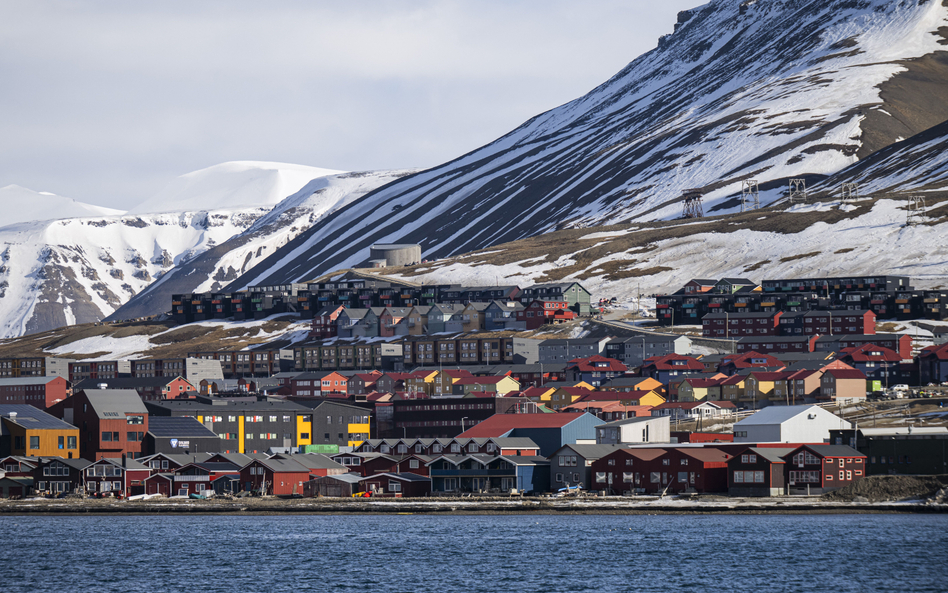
(77, 270)
(20, 204)
(763, 90)
(225, 262)
(235, 184)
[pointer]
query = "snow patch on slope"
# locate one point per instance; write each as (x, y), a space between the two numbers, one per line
(232, 185)
(20, 204)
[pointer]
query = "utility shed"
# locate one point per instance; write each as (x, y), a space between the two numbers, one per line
(341, 486)
(788, 424)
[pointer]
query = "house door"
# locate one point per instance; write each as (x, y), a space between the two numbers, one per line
(479, 484)
(507, 484)
(450, 484)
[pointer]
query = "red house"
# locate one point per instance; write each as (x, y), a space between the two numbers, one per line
(734, 363)
(693, 469)
(324, 323)
(115, 477)
(740, 325)
(112, 422)
(39, 392)
(278, 477)
(540, 312)
(815, 469)
(624, 470)
(397, 485)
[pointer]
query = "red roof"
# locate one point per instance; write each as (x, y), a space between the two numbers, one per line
(600, 396)
(589, 364)
(500, 424)
(608, 406)
(940, 352)
(664, 363)
(536, 391)
(870, 353)
(743, 361)
(455, 373)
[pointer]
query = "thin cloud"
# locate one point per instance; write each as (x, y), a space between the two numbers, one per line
(105, 101)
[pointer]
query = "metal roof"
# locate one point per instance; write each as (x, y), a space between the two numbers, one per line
(27, 381)
(178, 426)
(780, 414)
(115, 403)
(33, 418)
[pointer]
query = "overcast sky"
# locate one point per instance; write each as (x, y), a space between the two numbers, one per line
(106, 102)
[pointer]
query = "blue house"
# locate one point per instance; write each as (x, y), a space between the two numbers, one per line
(549, 431)
(489, 473)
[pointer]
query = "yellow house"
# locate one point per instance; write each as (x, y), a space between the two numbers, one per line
(564, 396)
(421, 382)
(418, 320)
(444, 381)
(34, 433)
(501, 385)
(642, 398)
(732, 388)
(539, 394)
(760, 386)
(472, 316)
(636, 384)
(704, 389)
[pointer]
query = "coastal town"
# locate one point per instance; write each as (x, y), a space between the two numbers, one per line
(784, 388)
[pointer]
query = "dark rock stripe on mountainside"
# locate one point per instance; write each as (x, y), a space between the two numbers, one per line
(753, 89)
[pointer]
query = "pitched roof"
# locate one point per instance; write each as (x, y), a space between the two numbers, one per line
(780, 414)
(832, 450)
(590, 451)
(589, 364)
(113, 403)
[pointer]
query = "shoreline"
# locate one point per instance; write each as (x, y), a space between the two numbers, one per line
(272, 506)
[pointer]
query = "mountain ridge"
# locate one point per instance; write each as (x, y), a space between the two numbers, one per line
(723, 99)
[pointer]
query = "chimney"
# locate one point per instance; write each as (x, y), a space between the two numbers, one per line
(13, 416)
(103, 386)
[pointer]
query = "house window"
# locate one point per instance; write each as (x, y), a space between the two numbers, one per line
(70, 442)
(394, 487)
(62, 442)
(666, 461)
(627, 477)
(601, 477)
(413, 464)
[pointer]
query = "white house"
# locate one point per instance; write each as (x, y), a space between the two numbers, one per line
(643, 429)
(788, 424)
(694, 410)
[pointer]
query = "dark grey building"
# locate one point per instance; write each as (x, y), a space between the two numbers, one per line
(244, 424)
(182, 434)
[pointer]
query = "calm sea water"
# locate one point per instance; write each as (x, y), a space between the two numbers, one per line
(474, 554)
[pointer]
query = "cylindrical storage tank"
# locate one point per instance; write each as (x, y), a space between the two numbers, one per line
(396, 254)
